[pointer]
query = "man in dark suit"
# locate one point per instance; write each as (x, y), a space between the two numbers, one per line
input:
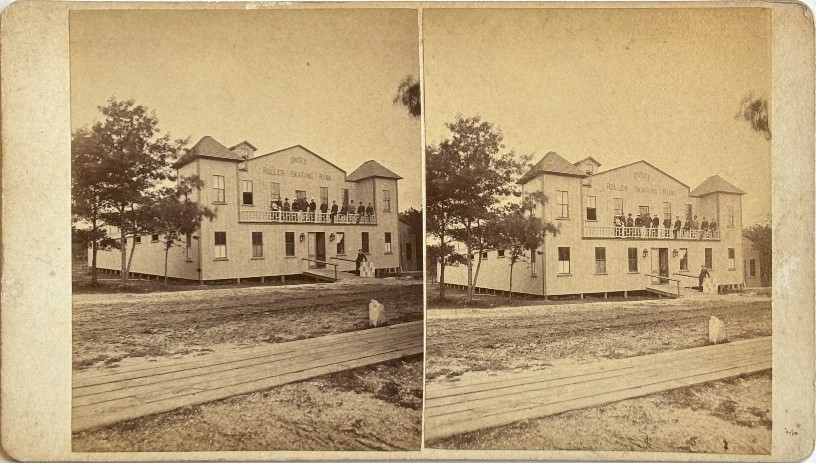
(629, 222)
(369, 211)
(333, 210)
(703, 275)
(361, 257)
(312, 206)
(667, 222)
(655, 221)
(360, 211)
(286, 206)
(324, 208)
(677, 226)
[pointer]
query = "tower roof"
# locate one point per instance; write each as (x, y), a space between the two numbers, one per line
(371, 169)
(552, 163)
(207, 147)
(715, 184)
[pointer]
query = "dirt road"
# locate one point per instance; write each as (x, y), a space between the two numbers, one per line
(722, 417)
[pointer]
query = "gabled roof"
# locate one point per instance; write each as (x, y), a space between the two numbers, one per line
(244, 143)
(208, 148)
(642, 162)
(304, 149)
(715, 184)
(371, 169)
(588, 158)
(552, 163)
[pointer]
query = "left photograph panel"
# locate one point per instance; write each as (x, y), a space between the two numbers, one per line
(247, 231)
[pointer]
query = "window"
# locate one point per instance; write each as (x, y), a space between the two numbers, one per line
(563, 261)
(618, 206)
(138, 239)
(484, 255)
(589, 168)
(324, 195)
(246, 187)
(600, 260)
(364, 245)
(688, 212)
(341, 244)
(643, 210)
(218, 187)
(532, 262)
(732, 262)
(387, 248)
(300, 194)
(729, 215)
(154, 237)
(591, 212)
(563, 204)
(709, 258)
(633, 260)
(345, 197)
(257, 244)
(409, 255)
(289, 244)
(683, 259)
(220, 245)
(189, 246)
(386, 201)
(274, 190)
(500, 253)
(752, 267)
(667, 211)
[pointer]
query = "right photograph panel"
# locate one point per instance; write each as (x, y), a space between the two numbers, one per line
(598, 193)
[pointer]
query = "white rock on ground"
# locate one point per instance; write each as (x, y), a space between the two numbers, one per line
(716, 331)
(376, 313)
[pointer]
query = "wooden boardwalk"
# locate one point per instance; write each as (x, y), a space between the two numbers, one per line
(103, 398)
(453, 408)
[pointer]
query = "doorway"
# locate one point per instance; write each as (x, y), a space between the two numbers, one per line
(660, 265)
(317, 250)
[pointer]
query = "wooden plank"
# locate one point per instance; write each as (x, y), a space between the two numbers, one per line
(183, 371)
(91, 421)
(612, 369)
(83, 378)
(499, 402)
(152, 387)
(475, 421)
(465, 386)
(136, 393)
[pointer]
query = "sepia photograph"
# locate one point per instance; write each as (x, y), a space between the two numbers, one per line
(247, 233)
(599, 229)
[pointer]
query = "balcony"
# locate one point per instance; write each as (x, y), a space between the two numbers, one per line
(593, 231)
(251, 216)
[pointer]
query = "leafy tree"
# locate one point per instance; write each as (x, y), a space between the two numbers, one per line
(467, 176)
(409, 95)
(129, 161)
(176, 215)
(755, 112)
(762, 237)
(517, 230)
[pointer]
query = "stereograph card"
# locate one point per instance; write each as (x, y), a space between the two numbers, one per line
(407, 231)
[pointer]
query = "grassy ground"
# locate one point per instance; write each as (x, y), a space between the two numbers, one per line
(465, 341)
(376, 407)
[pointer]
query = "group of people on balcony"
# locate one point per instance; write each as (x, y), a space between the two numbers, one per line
(301, 205)
(678, 229)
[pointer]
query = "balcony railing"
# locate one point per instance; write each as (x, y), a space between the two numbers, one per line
(306, 217)
(594, 231)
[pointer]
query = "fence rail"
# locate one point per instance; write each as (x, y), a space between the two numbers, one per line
(305, 217)
(596, 231)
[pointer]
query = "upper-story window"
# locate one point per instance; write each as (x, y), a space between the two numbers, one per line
(591, 211)
(667, 211)
(274, 189)
(563, 204)
(246, 188)
(618, 205)
(386, 201)
(589, 168)
(219, 189)
(324, 195)
(729, 215)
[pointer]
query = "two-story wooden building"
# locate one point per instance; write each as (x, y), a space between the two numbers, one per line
(260, 232)
(603, 244)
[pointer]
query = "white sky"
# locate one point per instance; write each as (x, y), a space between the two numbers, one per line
(661, 85)
(324, 79)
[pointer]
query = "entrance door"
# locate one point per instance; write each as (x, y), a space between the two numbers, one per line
(664, 263)
(317, 249)
(655, 269)
(320, 249)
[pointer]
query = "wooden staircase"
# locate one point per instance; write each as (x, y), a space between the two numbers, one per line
(663, 290)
